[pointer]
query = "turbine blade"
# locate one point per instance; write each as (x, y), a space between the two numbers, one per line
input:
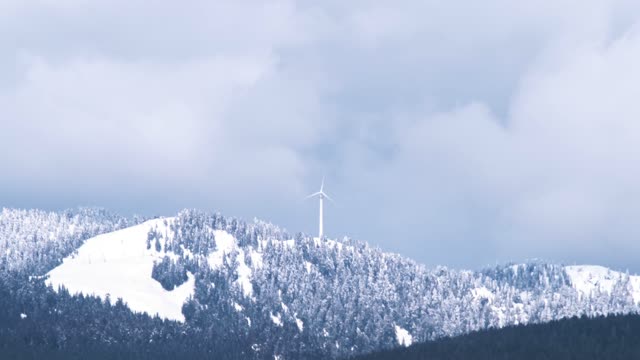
(312, 195)
(322, 185)
(328, 197)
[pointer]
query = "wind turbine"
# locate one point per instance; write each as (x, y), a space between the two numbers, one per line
(321, 195)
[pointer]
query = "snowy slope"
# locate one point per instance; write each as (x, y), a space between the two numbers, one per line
(587, 278)
(227, 244)
(119, 264)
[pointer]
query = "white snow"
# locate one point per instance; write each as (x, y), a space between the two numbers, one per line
(262, 244)
(225, 245)
(119, 264)
(187, 253)
(256, 259)
(500, 313)
(300, 324)
(238, 307)
(482, 293)
(331, 244)
(587, 278)
(277, 319)
(244, 275)
(403, 337)
(515, 268)
(23, 316)
(334, 243)
(635, 283)
(307, 265)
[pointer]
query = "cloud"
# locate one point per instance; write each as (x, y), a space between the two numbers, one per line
(458, 134)
(111, 100)
(554, 179)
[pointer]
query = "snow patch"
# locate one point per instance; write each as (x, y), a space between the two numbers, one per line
(300, 324)
(262, 244)
(23, 316)
(277, 319)
(635, 284)
(187, 253)
(256, 259)
(515, 268)
(403, 337)
(244, 275)
(118, 264)
(225, 245)
(332, 244)
(500, 313)
(588, 278)
(482, 293)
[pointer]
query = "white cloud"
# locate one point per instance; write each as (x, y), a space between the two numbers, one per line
(120, 94)
(557, 178)
(506, 128)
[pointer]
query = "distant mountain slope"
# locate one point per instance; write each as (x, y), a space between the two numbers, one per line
(613, 337)
(34, 241)
(274, 294)
(594, 280)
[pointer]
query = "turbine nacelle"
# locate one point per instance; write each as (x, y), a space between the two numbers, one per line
(321, 194)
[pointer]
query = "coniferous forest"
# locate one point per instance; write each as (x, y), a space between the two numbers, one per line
(299, 179)
(600, 338)
(269, 294)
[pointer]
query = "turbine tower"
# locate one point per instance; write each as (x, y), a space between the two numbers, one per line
(321, 195)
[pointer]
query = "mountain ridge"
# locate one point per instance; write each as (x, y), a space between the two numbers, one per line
(335, 297)
(586, 279)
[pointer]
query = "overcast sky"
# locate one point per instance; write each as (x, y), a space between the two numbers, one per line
(458, 133)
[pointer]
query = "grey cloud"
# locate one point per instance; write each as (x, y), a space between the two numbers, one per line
(556, 179)
(459, 134)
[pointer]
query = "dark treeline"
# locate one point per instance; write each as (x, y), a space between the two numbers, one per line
(36, 323)
(601, 338)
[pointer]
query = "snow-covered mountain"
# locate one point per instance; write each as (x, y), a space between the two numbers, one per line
(254, 281)
(589, 280)
(119, 265)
